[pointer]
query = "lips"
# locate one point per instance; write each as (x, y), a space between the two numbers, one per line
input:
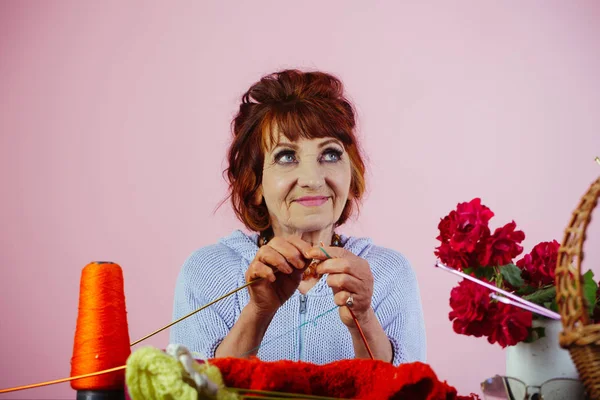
(312, 201)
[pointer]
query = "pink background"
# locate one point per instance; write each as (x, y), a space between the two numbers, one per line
(114, 122)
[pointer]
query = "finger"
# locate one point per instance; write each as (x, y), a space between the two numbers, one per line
(342, 296)
(326, 252)
(268, 255)
(302, 245)
(340, 282)
(335, 266)
(258, 270)
(288, 249)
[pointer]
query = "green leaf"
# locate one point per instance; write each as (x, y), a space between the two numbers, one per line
(542, 296)
(468, 271)
(484, 272)
(527, 289)
(512, 274)
(590, 289)
(535, 334)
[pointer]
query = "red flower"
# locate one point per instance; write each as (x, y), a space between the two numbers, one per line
(455, 259)
(471, 224)
(470, 303)
(447, 226)
(460, 231)
(539, 265)
(502, 246)
(510, 325)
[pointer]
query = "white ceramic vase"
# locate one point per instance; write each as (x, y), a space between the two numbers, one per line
(544, 359)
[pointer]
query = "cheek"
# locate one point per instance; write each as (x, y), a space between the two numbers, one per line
(276, 186)
(344, 189)
(340, 181)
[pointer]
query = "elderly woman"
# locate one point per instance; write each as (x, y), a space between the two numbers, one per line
(295, 174)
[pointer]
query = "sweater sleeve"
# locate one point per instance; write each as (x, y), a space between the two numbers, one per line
(397, 304)
(207, 274)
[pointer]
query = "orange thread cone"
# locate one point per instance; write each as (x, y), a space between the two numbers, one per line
(101, 335)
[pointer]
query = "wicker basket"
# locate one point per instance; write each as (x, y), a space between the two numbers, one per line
(580, 336)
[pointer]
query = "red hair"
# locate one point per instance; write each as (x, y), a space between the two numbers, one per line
(299, 105)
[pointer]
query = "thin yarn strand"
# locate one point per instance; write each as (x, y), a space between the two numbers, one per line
(293, 330)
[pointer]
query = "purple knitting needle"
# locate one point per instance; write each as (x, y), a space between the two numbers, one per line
(517, 301)
(506, 300)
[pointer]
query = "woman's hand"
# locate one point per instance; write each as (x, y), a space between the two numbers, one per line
(349, 275)
(281, 263)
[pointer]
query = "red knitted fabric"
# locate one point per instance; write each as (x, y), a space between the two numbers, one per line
(350, 379)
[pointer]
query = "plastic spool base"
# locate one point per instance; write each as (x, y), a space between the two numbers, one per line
(100, 395)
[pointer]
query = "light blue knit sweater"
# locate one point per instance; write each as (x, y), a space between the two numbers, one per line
(217, 269)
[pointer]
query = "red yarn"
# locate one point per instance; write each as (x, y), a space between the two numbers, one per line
(356, 378)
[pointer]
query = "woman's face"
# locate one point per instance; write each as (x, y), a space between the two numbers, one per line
(305, 184)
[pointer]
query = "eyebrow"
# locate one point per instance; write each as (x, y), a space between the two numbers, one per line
(325, 143)
(294, 146)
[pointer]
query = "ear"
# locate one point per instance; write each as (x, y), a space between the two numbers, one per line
(258, 196)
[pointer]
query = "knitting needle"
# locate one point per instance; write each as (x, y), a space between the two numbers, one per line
(506, 300)
(360, 331)
(71, 378)
(198, 310)
(538, 309)
(206, 306)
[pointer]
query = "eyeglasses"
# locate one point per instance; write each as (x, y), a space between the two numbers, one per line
(508, 388)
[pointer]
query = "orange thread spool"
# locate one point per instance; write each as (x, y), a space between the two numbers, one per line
(101, 335)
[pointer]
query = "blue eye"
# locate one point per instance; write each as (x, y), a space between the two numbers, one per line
(331, 155)
(285, 157)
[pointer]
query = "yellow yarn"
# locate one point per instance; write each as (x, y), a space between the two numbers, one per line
(151, 374)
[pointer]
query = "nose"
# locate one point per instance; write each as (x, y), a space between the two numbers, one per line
(310, 175)
(535, 396)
